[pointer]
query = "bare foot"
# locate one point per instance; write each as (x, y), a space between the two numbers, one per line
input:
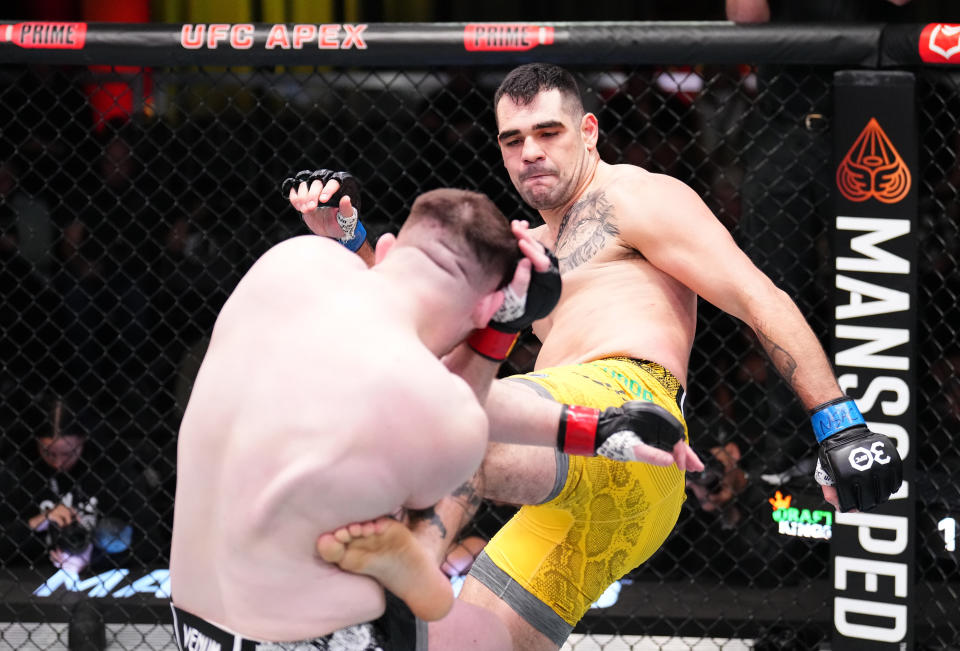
(385, 550)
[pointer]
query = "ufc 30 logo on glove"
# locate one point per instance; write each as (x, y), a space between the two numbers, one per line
(864, 466)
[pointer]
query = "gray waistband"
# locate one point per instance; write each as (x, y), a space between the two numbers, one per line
(536, 613)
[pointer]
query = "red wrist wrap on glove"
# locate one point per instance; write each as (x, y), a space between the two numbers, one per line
(493, 344)
(578, 430)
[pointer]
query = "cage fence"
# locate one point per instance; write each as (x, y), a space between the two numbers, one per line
(135, 198)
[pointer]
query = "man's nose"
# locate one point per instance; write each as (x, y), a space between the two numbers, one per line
(531, 150)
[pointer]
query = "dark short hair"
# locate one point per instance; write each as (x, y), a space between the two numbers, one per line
(525, 82)
(476, 226)
(52, 415)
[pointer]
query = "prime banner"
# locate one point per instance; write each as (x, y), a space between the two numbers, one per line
(874, 340)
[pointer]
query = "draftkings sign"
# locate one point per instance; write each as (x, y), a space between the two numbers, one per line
(874, 339)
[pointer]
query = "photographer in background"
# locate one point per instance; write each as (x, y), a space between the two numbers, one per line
(737, 508)
(60, 499)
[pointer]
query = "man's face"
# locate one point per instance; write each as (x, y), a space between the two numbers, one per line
(60, 453)
(542, 148)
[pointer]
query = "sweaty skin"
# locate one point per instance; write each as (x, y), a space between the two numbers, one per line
(281, 443)
(603, 275)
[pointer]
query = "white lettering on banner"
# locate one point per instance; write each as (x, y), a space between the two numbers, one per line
(877, 385)
(867, 313)
(842, 606)
(949, 528)
(867, 522)
(875, 259)
(888, 300)
(99, 585)
(877, 339)
(870, 569)
(156, 582)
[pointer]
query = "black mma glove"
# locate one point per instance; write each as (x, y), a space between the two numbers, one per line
(864, 466)
(615, 431)
(354, 234)
(518, 312)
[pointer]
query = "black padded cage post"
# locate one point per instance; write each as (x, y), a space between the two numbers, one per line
(139, 167)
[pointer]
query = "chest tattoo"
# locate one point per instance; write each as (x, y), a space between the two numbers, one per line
(585, 230)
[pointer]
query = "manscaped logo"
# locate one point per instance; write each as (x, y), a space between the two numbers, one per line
(45, 35)
(873, 168)
(939, 42)
(505, 37)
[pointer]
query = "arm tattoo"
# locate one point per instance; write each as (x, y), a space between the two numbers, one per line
(467, 498)
(585, 229)
(783, 361)
(428, 516)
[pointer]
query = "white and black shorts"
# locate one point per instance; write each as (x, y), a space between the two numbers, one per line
(396, 630)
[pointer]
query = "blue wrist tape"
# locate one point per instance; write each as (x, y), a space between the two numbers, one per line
(359, 237)
(835, 418)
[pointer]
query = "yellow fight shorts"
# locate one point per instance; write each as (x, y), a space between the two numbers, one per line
(604, 518)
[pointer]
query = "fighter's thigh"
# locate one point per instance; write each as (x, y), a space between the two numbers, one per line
(468, 627)
(524, 636)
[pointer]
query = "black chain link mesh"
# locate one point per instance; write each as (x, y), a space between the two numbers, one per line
(122, 239)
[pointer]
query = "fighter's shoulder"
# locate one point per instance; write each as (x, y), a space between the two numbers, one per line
(426, 384)
(311, 250)
(634, 190)
(631, 181)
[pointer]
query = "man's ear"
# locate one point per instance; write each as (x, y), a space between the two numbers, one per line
(384, 244)
(485, 307)
(590, 131)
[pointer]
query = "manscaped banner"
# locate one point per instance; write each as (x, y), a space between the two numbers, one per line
(874, 343)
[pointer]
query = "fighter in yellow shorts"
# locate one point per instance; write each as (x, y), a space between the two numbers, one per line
(603, 517)
(637, 251)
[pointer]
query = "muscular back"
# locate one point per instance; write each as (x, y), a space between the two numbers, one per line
(615, 301)
(310, 411)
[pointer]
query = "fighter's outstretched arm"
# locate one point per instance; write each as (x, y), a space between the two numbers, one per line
(635, 431)
(680, 236)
